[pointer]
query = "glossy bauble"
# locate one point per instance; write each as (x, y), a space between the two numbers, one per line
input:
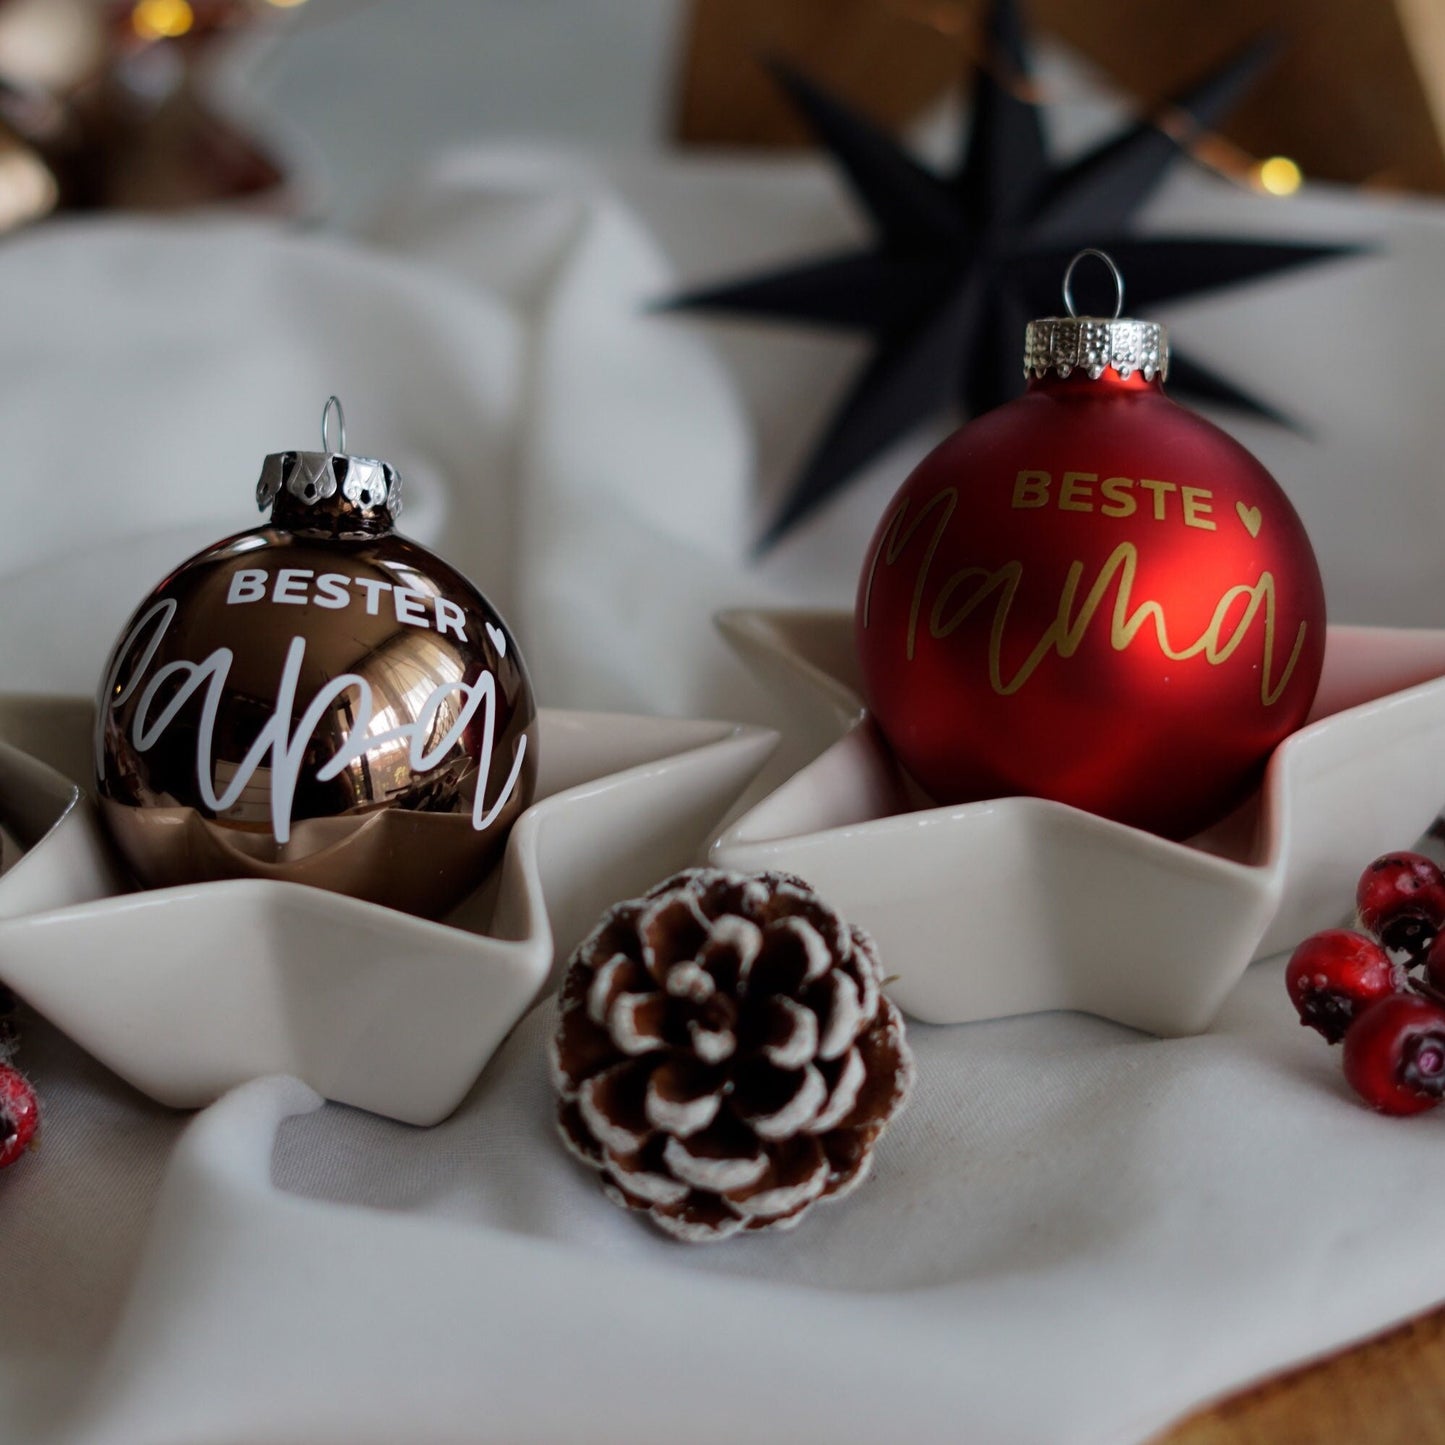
(1092, 595)
(317, 701)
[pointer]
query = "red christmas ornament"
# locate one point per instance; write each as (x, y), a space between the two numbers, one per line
(1091, 594)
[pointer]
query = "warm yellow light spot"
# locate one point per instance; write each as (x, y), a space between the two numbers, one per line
(162, 19)
(1279, 175)
(27, 187)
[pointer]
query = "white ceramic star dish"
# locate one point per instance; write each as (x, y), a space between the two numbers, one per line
(186, 992)
(1018, 905)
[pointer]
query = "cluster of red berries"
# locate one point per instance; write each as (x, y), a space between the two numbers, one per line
(19, 1108)
(1382, 991)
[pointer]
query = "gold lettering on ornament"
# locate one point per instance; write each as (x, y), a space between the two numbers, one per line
(891, 546)
(964, 592)
(1119, 497)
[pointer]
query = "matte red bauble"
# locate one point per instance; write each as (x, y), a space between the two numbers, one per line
(1092, 595)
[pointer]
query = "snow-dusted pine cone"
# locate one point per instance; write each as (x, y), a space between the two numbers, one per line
(725, 1055)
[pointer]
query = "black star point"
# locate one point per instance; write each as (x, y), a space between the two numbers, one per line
(959, 262)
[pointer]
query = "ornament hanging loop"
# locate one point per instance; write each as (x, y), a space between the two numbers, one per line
(1105, 257)
(334, 402)
(351, 495)
(1062, 345)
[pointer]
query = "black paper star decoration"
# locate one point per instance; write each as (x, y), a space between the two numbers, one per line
(959, 263)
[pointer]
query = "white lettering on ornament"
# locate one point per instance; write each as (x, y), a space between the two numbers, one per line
(285, 748)
(300, 585)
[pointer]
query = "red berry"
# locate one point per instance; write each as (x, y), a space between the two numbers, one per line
(1395, 1054)
(1333, 976)
(1401, 900)
(19, 1114)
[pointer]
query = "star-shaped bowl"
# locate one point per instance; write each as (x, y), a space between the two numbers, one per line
(1017, 905)
(188, 991)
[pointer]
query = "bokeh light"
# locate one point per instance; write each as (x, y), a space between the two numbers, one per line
(27, 187)
(162, 19)
(1279, 175)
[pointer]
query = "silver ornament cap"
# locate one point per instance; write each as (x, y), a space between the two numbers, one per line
(367, 489)
(1094, 344)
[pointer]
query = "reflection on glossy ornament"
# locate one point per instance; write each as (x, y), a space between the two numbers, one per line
(317, 701)
(1091, 594)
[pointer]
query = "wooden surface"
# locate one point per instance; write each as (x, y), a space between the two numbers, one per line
(862, 49)
(1353, 95)
(1390, 1391)
(1356, 94)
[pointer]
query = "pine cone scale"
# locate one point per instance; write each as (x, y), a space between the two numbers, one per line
(672, 930)
(613, 1107)
(580, 1141)
(683, 1097)
(850, 1157)
(797, 1112)
(701, 1219)
(791, 1033)
(792, 956)
(887, 1072)
(644, 1179)
(579, 1049)
(714, 1173)
(844, 1097)
(730, 951)
(842, 1013)
(868, 971)
(637, 1022)
(712, 1045)
(619, 975)
(692, 982)
(796, 1174)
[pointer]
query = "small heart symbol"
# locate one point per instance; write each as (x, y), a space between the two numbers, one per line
(1251, 518)
(499, 638)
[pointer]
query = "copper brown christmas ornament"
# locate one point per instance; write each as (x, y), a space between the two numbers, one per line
(725, 1056)
(319, 701)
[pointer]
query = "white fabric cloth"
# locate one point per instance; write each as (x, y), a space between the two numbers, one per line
(1074, 1233)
